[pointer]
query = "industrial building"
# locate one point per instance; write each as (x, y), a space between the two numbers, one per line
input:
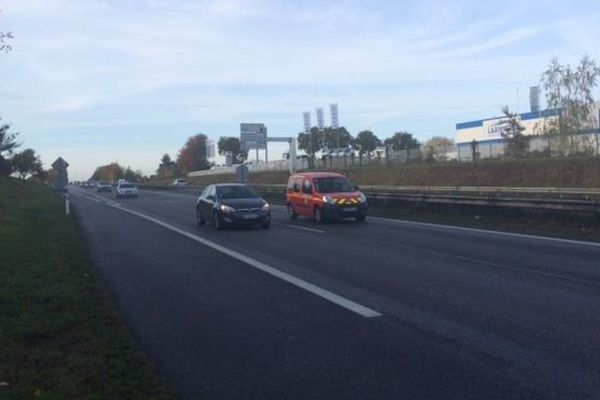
(483, 138)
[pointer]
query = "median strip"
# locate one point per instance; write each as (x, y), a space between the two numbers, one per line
(309, 287)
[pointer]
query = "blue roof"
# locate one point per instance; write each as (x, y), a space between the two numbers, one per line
(524, 117)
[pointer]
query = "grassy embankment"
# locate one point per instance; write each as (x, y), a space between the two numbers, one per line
(556, 172)
(60, 337)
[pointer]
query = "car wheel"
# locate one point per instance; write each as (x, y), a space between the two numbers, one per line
(217, 221)
(199, 218)
(291, 212)
(317, 215)
(361, 218)
(265, 225)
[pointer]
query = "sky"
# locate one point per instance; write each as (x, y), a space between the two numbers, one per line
(96, 81)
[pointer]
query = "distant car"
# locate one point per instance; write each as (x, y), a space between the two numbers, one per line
(180, 182)
(103, 186)
(232, 204)
(126, 190)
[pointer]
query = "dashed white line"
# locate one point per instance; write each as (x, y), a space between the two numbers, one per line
(305, 229)
(309, 287)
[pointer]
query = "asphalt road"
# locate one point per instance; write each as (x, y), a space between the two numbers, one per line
(381, 310)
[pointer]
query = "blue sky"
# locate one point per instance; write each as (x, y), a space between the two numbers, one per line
(99, 81)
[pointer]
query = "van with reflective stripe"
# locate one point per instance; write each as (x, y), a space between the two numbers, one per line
(324, 196)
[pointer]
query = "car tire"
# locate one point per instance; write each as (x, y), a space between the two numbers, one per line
(218, 224)
(199, 218)
(318, 215)
(361, 218)
(291, 212)
(265, 225)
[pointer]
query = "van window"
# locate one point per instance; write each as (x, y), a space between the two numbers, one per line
(333, 185)
(290, 185)
(307, 187)
(297, 184)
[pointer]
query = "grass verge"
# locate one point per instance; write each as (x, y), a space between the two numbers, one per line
(60, 336)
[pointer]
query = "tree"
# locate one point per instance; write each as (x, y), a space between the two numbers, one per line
(312, 142)
(366, 142)
(233, 145)
(438, 147)
(517, 144)
(4, 37)
(8, 144)
(401, 141)
(167, 167)
(570, 90)
(192, 157)
(110, 172)
(336, 138)
(26, 163)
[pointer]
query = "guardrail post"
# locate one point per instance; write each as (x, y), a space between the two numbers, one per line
(67, 207)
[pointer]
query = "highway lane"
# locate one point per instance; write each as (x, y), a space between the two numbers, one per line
(510, 316)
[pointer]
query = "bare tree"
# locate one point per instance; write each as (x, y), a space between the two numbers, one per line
(570, 90)
(517, 144)
(4, 38)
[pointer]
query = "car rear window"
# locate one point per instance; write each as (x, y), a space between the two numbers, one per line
(235, 192)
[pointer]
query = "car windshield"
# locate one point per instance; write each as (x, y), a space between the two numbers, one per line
(333, 185)
(235, 192)
(103, 183)
(126, 186)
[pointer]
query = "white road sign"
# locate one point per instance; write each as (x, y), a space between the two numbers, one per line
(253, 136)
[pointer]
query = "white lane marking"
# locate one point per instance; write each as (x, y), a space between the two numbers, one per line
(309, 287)
(304, 229)
(487, 231)
(94, 199)
(489, 263)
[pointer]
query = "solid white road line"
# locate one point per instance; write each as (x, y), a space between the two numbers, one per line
(305, 229)
(309, 287)
(487, 231)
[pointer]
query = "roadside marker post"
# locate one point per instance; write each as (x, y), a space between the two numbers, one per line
(67, 210)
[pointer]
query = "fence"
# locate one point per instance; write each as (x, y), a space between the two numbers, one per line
(379, 157)
(552, 145)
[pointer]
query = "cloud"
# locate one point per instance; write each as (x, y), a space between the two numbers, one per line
(119, 66)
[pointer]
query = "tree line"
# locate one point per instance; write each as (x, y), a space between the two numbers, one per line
(24, 164)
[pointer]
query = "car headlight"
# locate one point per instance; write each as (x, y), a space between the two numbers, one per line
(227, 209)
(362, 197)
(266, 207)
(327, 199)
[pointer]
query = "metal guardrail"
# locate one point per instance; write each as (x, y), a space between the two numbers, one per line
(537, 198)
(554, 199)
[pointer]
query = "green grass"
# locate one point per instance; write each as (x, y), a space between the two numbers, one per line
(60, 337)
(580, 172)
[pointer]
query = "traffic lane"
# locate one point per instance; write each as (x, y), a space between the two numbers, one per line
(575, 260)
(219, 329)
(561, 258)
(456, 299)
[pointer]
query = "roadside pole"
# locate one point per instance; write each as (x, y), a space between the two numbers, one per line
(67, 205)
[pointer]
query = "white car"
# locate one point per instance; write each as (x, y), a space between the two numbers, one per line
(126, 190)
(179, 182)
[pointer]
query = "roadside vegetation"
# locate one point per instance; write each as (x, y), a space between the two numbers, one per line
(577, 172)
(60, 336)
